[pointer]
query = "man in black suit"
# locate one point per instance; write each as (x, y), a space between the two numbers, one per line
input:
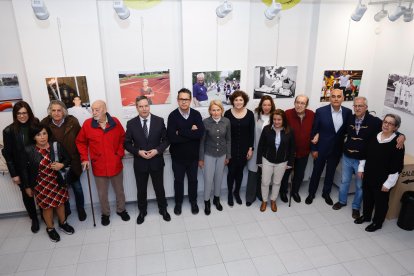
(146, 139)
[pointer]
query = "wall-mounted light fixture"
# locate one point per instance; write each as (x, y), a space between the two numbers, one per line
(381, 14)
(397, 13)
(122, 11)
(408, 13)
(224, 9)
(359, 11)
(40, 10)
(273, 10)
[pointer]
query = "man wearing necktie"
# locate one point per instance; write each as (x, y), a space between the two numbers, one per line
(146, 139)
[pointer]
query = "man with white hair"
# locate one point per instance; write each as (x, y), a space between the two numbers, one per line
(200, 97)
(103, 138)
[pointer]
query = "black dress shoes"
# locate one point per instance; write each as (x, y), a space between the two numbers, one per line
(283, 197)
(328, 199)
(338, 206)
(194, 208)
(296, 197)
(141, 217)
(355, 213)
(35, 225)
(177, 209)
(216, 202)
(373, 227)
(248, 204)
(238, 199)
(361, 220)
(309, 199)
(105, 220)
(165, 215)
(207, 207)
(124, 215)
(230, 200)
(81, 214)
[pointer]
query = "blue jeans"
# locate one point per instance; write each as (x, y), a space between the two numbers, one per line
(79, 199)
(349, 167)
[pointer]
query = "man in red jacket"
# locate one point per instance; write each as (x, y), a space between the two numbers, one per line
(103, 137)
(300, 119)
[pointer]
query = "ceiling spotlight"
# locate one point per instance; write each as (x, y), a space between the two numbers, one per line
(273, 10)
(40, 10)
(381, 14)
(121, 9)
(397, 13)
(408, 13)
(359, 11)
(224, 9)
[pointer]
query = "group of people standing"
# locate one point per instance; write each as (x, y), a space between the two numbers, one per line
(46, 158)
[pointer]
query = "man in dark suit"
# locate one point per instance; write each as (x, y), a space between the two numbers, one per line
(329, 125)
(185, 129)
(146, 139)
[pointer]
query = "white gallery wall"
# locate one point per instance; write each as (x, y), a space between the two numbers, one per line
(86, 37)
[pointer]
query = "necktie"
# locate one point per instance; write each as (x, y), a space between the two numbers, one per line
(145, 128)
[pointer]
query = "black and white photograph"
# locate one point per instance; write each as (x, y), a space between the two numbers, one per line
(10, 92)
(400, 92)
(214, 85)
(275, 81)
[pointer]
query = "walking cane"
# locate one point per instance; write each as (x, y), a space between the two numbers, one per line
(90, 195)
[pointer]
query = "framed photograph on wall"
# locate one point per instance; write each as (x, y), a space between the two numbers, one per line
(399, 93)
(214, 85)
(154, 85)
(10, 92)
(66, 89)
(275, 81)
(349, 81)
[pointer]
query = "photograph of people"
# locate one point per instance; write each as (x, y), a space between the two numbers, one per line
(146, 91)
(275, 81)
(275, 154)
(399, 93)
(215, 152)
(349, 81)
(214, 85)
(43, 179)
(380, 171)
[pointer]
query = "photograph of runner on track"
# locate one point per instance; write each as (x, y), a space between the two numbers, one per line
(154, 85)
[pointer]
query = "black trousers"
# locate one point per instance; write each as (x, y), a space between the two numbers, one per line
(235, 174)
(298, 175)
(180, 169)
(29, 204)
(373, 197)
(331, 162)
(157, 178)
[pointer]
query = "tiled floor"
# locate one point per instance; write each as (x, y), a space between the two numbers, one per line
(297, 240)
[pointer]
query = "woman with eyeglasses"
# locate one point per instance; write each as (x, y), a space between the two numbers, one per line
(15, 138)
(380, 172)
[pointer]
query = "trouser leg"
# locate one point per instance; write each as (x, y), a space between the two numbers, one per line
(102, 185)
(141, 179)
(192, 180)
(209, 168)
(29, 204)
(299, 173)
(117, 182)
(278, 172)
(179, 173)
(267, 172)
(381, 206)
(331, 164)
(157, 178)
(318, 166)
(218, 175)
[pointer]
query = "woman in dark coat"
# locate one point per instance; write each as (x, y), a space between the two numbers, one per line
(44, 163)
(242, 142)
(380, 172)
(15, 138)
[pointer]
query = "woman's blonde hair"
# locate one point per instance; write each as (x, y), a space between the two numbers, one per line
(218, 103)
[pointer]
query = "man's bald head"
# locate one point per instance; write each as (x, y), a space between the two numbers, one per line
(99, 110)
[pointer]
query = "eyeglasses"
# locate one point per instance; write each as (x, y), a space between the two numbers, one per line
(359, 105)
(183, 100)
(21, 113)
(387, 123)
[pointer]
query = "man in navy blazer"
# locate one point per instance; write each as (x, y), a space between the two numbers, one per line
(329, 125)
(146, 139)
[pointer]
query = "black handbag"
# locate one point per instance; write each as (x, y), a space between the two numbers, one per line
(63, 175)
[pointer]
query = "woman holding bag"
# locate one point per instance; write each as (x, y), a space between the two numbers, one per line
(44, 179)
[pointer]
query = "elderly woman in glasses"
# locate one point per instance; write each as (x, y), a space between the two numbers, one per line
(380, 172)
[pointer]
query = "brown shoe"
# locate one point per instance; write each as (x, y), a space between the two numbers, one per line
(273, 205)
(263, 206)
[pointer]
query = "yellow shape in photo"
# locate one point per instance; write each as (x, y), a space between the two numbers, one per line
(141, 4)
(286, 4)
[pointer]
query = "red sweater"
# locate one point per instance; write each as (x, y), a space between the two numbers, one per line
(105, 147)
(302, 130)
